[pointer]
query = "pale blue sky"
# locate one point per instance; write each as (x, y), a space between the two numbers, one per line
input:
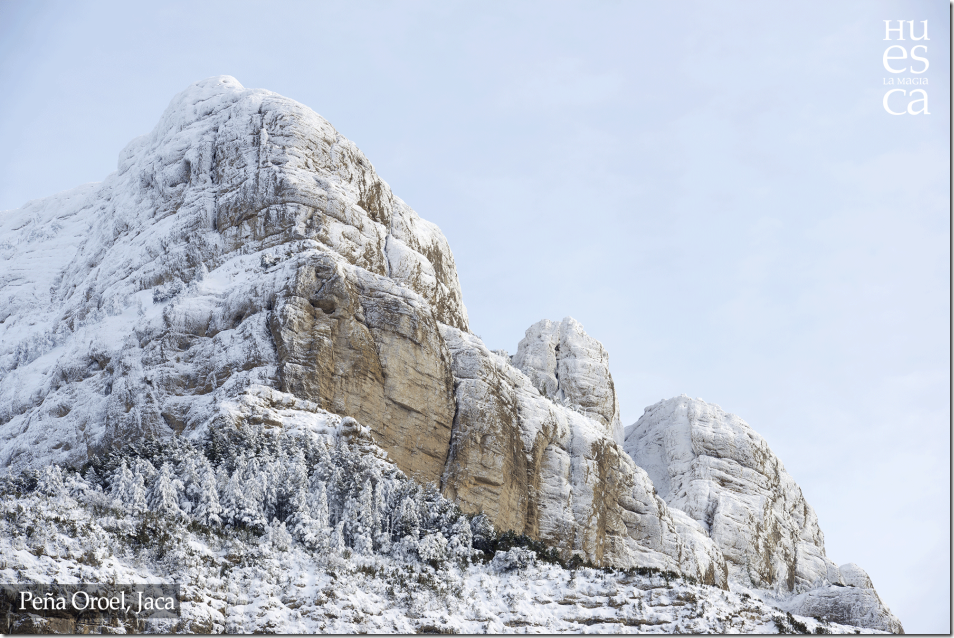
(713, 189)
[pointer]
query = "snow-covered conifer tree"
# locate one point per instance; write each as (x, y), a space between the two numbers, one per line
(190, 470)
(407, 523)
(127, 489)
(207, 509)
(291, 484)
(270, 476)
(482, 530)
(318, 506)
(277, 536)
(144, 468)
(336, 487)
(359, 519)
(49, 480)
(231, 498)
(93, 479)
(118, 483)
(433, 547)
(382, 527)
(251, 497)
(310, 522)
(350, 526)
(337, 543)
(165, 492)
(460, 543)
(137, 494)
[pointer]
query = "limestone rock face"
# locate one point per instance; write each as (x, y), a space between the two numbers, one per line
(570, 367)
(714, 467)
(133, 307)
(861, 607)
(858, 603)
(717, 469)
(854, 576)
(358, 344)
(546, 470)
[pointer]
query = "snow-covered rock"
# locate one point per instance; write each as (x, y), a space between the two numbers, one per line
(854, 576)
(538, 467)
(246, 267)
(843, 605)
(244, 243)
(571, 367)
(718, 470)
(714, 467)
(358, 344)
(857, 603)
(127, 305)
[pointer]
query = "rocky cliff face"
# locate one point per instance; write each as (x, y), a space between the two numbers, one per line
(547, 470)
(246, 249)
(243, 241)
(569, 366)
(856, 601)
(719, 471)
(714, 467)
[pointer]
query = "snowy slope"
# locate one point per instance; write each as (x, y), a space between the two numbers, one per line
(275, 578)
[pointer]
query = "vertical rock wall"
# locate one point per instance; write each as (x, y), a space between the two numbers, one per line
(572, 368)
(359, 345)
(549, 471)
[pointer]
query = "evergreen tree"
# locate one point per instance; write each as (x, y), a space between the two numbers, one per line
(190, 471)
(310, 521)
(270, 476)
(293, 488)
(231, 498)
(432, 548)
(92, 478)
(144, 468)
(278, 537)
(118, 484)
(318, 506)
(482, 531)
(49, 480)
(165, 492)
(337, 543)
(460, 543)
(248, 495)
(350, 527)
(337, 490)
(128, 489)
(137, 494)
(207, 509)
(382, 528)
(358, 519)
(407, 523)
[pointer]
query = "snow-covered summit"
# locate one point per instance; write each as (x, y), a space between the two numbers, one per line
(198, 101)
(246, 254)
(570, 366)
(176, 243)
(245, 243)
(713, 466)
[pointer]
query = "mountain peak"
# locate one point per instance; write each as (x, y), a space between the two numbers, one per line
(247, 268)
